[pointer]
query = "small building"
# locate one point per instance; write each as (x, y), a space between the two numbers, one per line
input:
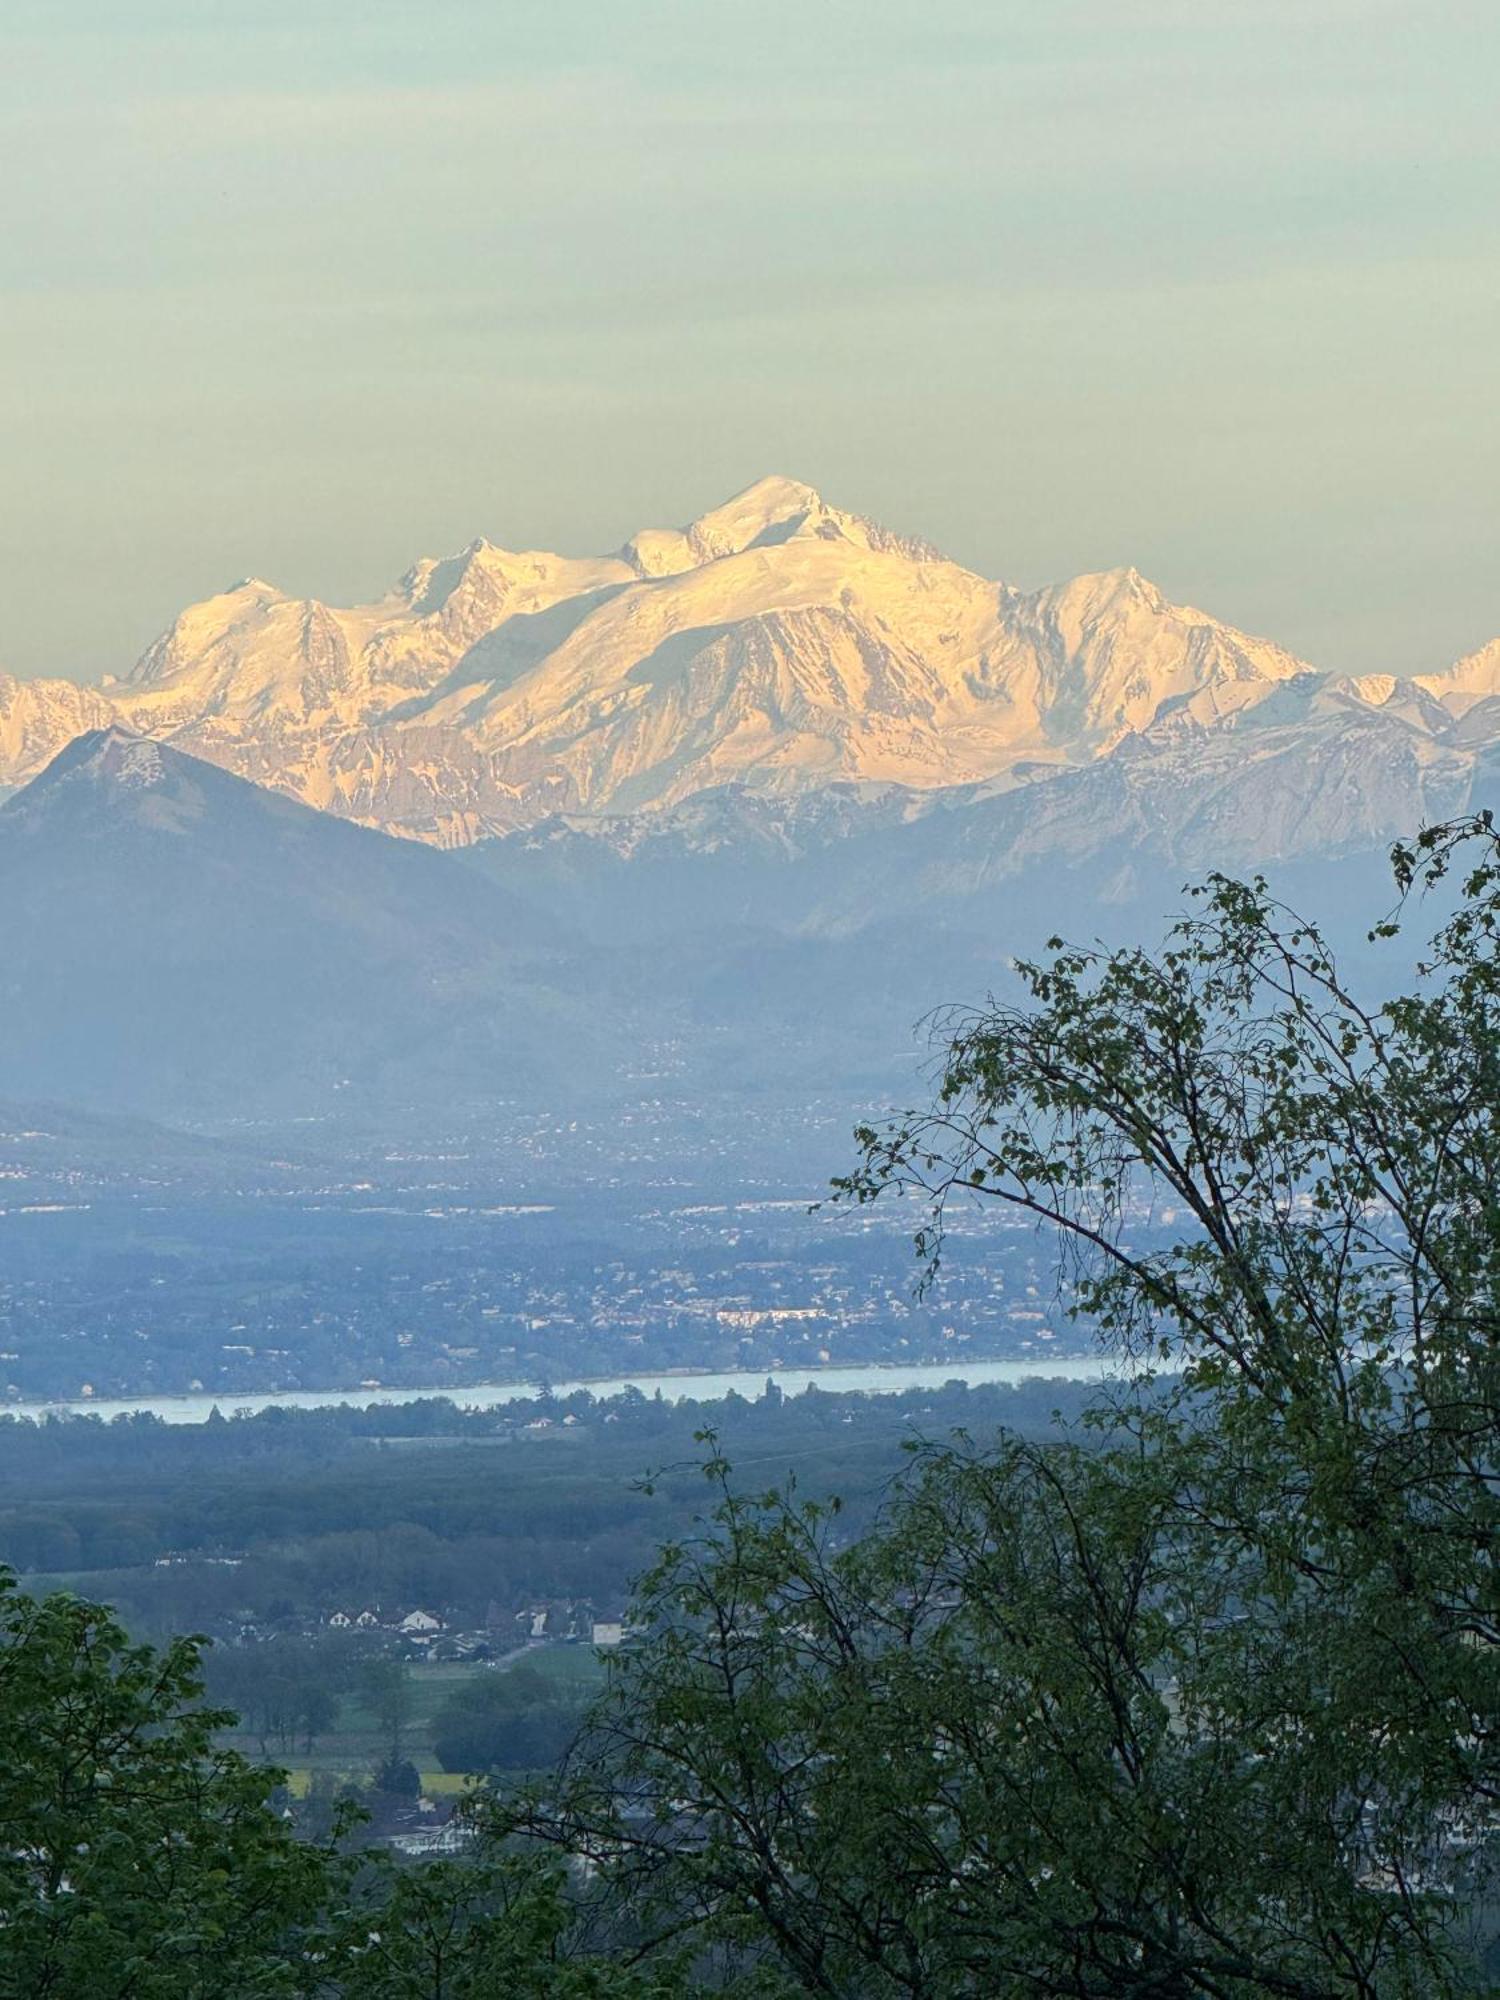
(420, 1621)
(608, 1632)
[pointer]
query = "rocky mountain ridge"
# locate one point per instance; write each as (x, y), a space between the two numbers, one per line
(777, 643)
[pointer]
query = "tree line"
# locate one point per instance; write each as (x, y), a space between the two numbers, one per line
(339, 1510)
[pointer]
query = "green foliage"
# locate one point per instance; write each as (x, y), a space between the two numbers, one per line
(521, 1720)
(1197, 1702)
(399, 1778)
(138, 1861)
(385, 1687)
(285, 1691)
(325, 1521)
(1203, 1699)
(135, 1857)
(474, 1930)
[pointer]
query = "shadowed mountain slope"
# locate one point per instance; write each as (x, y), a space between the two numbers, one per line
(179, 940)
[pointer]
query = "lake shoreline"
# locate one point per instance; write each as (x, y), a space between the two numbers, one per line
(680, 1384)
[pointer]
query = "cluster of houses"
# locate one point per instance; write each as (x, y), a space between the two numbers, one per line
(423, 1630)
(415, 1625)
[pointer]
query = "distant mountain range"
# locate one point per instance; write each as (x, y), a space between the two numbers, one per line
(183, 944)
(785, 651)
(731, 809)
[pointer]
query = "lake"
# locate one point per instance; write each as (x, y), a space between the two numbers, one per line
(873, 1378)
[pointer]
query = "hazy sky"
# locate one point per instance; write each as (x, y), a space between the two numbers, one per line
(308, 290)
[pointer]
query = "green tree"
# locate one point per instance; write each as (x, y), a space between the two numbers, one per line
(1202, 1699)
(475, 1929)
(136, 1858)
(140, 1861)
(317, 1712)
(520, 1720)
(399, 1777)
(385, 1686)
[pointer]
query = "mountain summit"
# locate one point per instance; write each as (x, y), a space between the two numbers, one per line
(776, 642)
(772, 511)
(108, 774)
(177, 938)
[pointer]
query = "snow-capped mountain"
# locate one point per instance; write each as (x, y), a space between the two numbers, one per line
(38, 717)
(777, 642)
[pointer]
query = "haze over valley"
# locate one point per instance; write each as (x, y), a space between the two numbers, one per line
(613, 890)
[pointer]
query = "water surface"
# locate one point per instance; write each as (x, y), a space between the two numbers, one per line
(872, 1378)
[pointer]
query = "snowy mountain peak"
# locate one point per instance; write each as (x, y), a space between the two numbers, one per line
(776, 643)
(769, 505)
(772, 512)
(1104, 593)
(430, 583)
(1472, 679)
(108, 764)
(37, 717)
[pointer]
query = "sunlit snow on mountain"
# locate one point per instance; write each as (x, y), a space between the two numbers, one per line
(778, 643)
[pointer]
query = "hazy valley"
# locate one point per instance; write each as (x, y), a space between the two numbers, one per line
(613, 890)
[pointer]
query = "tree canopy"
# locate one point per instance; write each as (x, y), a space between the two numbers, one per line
(1199, 1699)
(140, 1861)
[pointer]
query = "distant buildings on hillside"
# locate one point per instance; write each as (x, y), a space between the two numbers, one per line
(564, 1622)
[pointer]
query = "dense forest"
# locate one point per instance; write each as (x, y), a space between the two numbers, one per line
(1195, 1698)
(287, 1517)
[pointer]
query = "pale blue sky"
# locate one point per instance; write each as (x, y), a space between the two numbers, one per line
(310, 290)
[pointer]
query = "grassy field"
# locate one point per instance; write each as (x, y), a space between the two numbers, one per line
(357, 1745)
(577, 1667)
